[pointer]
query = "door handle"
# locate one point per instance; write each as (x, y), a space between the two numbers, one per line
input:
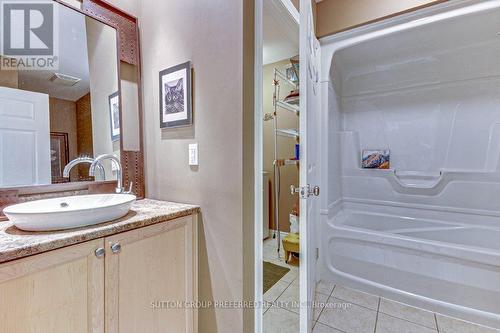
(315, 191)
(100, 252)
(116, 248)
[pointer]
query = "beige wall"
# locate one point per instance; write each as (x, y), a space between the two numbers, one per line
(210, 35)
(248, 160)
(9, 78)
(132, 7)
(336, 15)
(286, 146)
(129, 6)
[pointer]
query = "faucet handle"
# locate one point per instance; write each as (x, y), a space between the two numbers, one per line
(130, 186)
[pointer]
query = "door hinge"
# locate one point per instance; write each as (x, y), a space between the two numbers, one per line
(305, 191)
(317, 253)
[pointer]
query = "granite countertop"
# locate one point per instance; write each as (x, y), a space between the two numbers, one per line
(15, 243)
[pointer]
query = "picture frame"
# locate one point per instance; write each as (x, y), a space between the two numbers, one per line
(376, 159)
(59, 156)
(114, 115)
(175, 88)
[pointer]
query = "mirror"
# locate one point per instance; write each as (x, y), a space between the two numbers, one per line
(49, 117)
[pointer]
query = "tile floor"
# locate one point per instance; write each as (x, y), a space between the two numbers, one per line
(281, 314)
(344, 310)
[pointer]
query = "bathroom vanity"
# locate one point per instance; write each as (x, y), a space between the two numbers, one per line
(135, 274)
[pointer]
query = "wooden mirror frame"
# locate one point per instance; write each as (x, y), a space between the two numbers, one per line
(129, 52)
(132, 162)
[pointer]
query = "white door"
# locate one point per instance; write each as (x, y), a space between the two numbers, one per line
(24, 138)
(309, 164)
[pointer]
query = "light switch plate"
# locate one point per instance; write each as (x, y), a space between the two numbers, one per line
(193, 154)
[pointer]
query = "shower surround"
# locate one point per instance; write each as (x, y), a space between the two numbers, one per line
(426, 230)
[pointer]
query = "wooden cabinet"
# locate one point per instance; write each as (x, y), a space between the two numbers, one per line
(152, 266)
(141, 286)
(59, 291)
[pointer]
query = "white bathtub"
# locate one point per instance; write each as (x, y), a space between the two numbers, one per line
(447, 267)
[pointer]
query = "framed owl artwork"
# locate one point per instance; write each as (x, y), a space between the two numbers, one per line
(176, 96)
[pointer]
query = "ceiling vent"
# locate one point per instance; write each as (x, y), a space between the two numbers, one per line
(64, 80)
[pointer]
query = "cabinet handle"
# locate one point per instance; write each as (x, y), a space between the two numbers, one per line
(116, 248)
(99, 252)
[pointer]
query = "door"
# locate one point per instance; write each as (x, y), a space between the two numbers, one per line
(24, 138)
(59, 291)
(150, 275)
(309, 170)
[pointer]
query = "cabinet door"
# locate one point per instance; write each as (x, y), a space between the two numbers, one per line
(155, 264)
(59, 291)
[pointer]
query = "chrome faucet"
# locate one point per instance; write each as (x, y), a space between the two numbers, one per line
(116, 161)
(83, 159)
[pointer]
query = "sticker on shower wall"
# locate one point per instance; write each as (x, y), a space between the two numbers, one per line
(376, 159)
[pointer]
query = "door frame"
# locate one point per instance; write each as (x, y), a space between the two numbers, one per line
(259, 157)
(258, 163)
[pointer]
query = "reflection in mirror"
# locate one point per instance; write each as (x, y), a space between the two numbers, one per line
(48, 118)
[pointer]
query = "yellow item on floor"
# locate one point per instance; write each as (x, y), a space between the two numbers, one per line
(291, 244)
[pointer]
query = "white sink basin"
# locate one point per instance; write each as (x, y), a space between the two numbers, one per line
(69, 212)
